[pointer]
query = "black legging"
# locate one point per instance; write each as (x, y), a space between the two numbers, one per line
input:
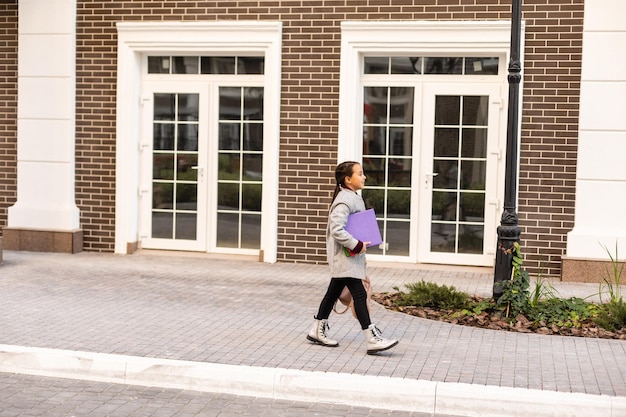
(359, 295)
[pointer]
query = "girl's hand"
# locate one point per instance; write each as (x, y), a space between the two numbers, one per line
(364, 248)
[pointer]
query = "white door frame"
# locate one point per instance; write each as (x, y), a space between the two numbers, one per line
(138, 38)
(411, 38)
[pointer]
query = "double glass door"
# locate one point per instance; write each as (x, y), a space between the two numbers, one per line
(430, 152)
(201, 167)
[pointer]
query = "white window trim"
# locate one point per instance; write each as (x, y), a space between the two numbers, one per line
(405, 37)
(411, 38)
(137, 38)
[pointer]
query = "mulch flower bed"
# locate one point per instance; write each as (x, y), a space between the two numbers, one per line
(494, 321)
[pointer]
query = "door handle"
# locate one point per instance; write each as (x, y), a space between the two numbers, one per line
(200, 171)
(429, 178)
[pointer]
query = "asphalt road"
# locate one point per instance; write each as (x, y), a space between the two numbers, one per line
(36, 396)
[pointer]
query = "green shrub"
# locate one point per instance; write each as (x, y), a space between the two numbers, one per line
(430, 294)
(612, 315)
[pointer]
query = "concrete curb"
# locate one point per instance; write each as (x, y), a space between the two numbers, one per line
(285, 384)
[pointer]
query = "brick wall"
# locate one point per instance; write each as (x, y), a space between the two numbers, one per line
(311, 43)
(8, 107)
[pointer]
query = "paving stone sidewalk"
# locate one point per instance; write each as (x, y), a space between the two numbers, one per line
(245, 313)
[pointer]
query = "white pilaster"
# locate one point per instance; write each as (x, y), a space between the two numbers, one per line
(46, 117)
(601, 169)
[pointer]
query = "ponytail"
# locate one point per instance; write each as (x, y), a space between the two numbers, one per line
(343, 170)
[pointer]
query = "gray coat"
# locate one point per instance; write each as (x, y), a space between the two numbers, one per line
(342, 266)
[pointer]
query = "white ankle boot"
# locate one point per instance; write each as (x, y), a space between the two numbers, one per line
(318, 334)
(375, 341)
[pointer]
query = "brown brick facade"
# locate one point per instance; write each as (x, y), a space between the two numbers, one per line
(8, 107)
(309, 108)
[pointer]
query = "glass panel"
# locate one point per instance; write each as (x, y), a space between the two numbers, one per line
(217, 65)
(474, 143)
(251, 65)
(470, 239)
(188, 107)
(374, 140)
(401, 141)
(253, 167)
(162, 225)
(374, 169)
(253, 103)
(251, 197)
(375, 106)
(447, 174)
(164, 106)
(186, 167)
(158, 65)
(185, 65)
(162, 195)
(481, 66)
(374, 198)
(443, 238)
(475, 110)
(401, 105)
(229, 166)
(186, 226)
(163, 137)
(452, 65)
(405, 65)
(473, 175)
(187, 137)
(230, 103)
(229, 136)
(251, 231)
(227, 196)
(376, 65)
(447, 109)
(397, 238)
(186, 196)
(253, 137)
(446, 142)
(163, 166)
(444, 206)
(227, 230)
(473, 207)
(398, 203)
(399, 172)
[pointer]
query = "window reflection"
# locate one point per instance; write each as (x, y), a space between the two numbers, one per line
(431, 65)
(206, 65)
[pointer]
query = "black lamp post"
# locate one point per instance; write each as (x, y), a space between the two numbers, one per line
(509, 231)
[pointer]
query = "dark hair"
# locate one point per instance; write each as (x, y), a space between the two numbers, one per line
(343, 170)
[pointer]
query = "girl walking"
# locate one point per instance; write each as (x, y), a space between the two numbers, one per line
(346, 258)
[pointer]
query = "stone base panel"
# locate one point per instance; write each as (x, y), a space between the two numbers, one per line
(588, 270)
(43, 240)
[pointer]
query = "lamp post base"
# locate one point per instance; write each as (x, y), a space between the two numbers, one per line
(508, 234)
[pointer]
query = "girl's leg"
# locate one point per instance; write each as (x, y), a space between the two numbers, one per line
(333, 292)
(359, 296)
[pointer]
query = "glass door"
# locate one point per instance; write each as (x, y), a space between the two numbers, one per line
(173, 153)
(459, 174)
(388, 162)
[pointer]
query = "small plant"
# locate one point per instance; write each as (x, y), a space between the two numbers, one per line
(612, 317)
(613, 313)
(430, 294)
(613, 279)
(515, 292)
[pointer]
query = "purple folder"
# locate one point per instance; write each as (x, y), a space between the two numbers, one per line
(363, 226)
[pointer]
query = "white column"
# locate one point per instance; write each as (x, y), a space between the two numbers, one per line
(601, 166)
(46, 117)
